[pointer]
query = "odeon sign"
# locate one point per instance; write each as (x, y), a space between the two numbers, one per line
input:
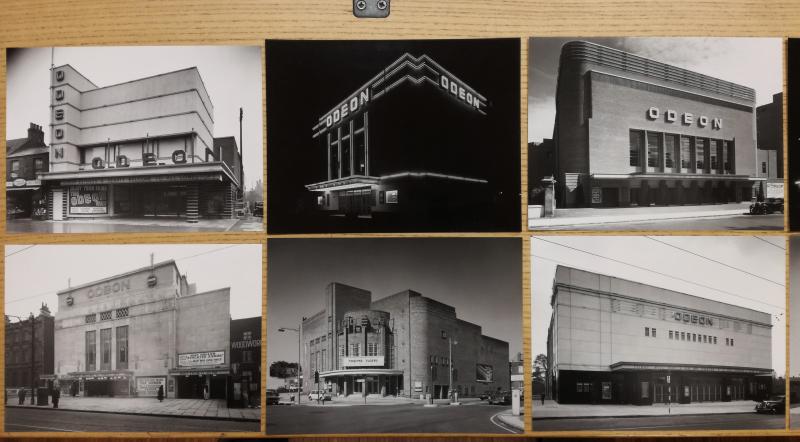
(107, 289)
(695, 319)
(687, 118)
(458, 91)
(348, 107)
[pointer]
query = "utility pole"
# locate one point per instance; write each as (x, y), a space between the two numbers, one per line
(33, 355)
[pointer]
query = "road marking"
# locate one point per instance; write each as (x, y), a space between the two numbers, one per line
(43, 428)
(502, 425)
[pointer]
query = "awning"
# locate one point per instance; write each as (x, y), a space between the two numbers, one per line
(99, 375)
(650, 366)
(17, 189)
(199, 371)
(674, 176)
(211, 171)
(361, 372)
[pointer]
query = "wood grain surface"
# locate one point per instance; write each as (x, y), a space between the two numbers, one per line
(28, 23)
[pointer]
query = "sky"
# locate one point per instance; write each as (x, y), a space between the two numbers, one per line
(752, 62)
(763, 256)
(480, 277)
(794, 305)
(34, 274)
(232, 75)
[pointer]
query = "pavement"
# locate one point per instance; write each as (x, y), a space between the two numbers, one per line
(207, 409)
(673, 423)
(356, 400)
(113, 225)
(566, 218)
(553, 410)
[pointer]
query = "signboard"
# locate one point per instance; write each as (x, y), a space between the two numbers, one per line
(88, 200)
(122, 285)
(458, 90)
(418, 386)
(687, 118)
(252, 343)
(391, 197)
(362, 361)
(201, 359)
(148, 385)
(774, 190)
(597, 195)
(517, 378)
(484, 373)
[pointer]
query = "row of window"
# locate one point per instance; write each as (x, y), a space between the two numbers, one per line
(355, 350)
(106, 315)
(347, 149)
(38, 165)
(680, 153)
(105, 349)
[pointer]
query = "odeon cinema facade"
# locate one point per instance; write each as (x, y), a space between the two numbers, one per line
(406, 142)
(634, 131)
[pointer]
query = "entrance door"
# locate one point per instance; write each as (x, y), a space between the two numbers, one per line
(372, 386)
(58, 205)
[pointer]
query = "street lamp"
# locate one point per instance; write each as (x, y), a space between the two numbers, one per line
(299, 357)
(450, 343)
(33, 349)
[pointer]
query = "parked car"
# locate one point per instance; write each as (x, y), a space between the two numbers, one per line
(773, 405)
(767, 207)
(319, 395)
(273, 397)
(502, 397)
(258, 209)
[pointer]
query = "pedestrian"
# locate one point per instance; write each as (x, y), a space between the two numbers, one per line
(542, 398)
(56, 396)
(161, 393)
(22, 396)
(205, 392)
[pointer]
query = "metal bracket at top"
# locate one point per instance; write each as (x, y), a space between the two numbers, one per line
(371, 8)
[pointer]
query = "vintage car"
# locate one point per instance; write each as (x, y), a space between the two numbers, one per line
(273, 397)
(773, 405)
(319, 395)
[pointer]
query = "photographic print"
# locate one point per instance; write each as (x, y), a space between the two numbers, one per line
(134, 139)
(793, 130)
(162, 338)
(655, 134)
(415, 335)
(658, 333)
(794, 333)
(393, 136)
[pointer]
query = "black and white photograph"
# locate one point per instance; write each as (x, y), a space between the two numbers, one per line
(161, 338)
(793, 130)
(794, 332)
(394, 335)
(655, 134)
(134, 139)
(658, 333)
(393, 136)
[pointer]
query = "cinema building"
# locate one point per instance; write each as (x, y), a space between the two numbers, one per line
(634, 131)
(128, 334)
(406, 142)
(142, 148)
(398, 345)
(613, 341)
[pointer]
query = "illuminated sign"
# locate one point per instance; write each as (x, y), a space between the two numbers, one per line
(391, 197)
(107, 289)
(88, 200)
(179, 157)
(201, 359)
(348, 107)
(484, 373)
(687, 118)
(362, 361)
(459, 91)
(252, 343)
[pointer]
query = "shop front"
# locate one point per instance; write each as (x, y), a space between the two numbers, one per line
(383, 382)
(98, 383)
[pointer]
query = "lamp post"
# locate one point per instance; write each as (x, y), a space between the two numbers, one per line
(33, 349)
(450, 343)
(299, 357)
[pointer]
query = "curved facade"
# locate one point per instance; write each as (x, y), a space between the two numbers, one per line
(634, 131)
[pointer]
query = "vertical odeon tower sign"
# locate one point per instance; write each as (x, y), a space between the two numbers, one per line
(406, 69)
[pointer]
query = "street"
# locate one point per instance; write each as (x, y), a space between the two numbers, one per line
(366, 419)
(731, 421)
(48, 419)
(245, 224)
(735, 222)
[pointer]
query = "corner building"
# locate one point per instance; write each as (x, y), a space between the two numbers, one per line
(399, 346)
(131, 333)
(142, 148)
(634, 131)
(613, 341)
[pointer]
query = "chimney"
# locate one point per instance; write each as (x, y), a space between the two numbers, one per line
(44, 310)
(35, 133)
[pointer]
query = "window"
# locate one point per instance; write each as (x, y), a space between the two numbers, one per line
(715, 339)
(324, 360)
(105, 316)
(247, 356)
(670, 334)
(636, 143)
(15, 165)
(247, 336)
(714, 153)
(91, 318)
(670, 150)
(355, 349)
(694, 337)
(700, 145)
(91, 350)
(372, 349)
(105, 349)
(726, 341)
(705, 339)
(341, 350)
(647, 331)
(683, 336)
(122, 347)
(763, 167)
(731, 342)
(606, 390)
(727, 156)
(38, 164)
(122, 312)
(686, 152)
(654, 333)
(653, 149)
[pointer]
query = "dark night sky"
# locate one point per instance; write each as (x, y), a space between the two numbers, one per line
(480, 277)
(306, 79)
